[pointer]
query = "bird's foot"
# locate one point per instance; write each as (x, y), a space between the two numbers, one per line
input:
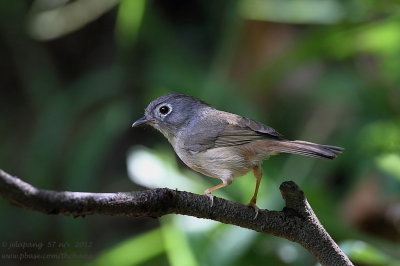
(255, 207)
(210, 196)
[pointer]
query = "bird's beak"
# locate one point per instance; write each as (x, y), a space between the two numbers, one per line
(140, 121)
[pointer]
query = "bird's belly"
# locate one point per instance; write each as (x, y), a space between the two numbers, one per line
(223, 162)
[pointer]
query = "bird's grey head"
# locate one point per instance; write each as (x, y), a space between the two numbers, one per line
(170, 112)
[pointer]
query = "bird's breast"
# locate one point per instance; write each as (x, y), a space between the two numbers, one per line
(218, 162)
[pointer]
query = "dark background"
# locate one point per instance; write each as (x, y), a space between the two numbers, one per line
(322, 71)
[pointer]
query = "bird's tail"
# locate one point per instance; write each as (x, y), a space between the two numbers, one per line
(306, 148)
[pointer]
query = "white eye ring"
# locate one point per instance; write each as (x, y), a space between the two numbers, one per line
(164, 109)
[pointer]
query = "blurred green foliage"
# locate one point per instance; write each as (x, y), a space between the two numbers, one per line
(324, 71)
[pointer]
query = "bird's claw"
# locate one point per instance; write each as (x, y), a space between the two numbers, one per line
(210, 196)
(255, 207)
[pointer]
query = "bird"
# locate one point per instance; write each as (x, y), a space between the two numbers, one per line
(220, 144)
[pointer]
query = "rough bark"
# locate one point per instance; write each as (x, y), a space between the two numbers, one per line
(296, 222)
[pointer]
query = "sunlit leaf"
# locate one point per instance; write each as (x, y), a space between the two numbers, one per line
(129, 18)
(363, 253)
(177, 246)
(383, 37)
(224, 241)
(133, 251)
(301, 11)
(381, 136)
(390, 163)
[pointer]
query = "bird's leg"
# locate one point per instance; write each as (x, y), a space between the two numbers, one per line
(207, 192)
(257, 170)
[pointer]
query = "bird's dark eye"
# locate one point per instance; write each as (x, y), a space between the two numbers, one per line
(164, 110)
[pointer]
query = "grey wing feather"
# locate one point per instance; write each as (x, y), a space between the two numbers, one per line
(217, 131)
(258, 127)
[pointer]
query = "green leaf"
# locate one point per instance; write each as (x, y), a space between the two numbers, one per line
(129, 18)
(134, 251)
(390, 163)
(177, 246)
(366, 254)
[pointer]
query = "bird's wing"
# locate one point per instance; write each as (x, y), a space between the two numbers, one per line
(226, 129)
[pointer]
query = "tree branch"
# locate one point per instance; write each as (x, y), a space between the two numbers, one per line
(296, 222)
